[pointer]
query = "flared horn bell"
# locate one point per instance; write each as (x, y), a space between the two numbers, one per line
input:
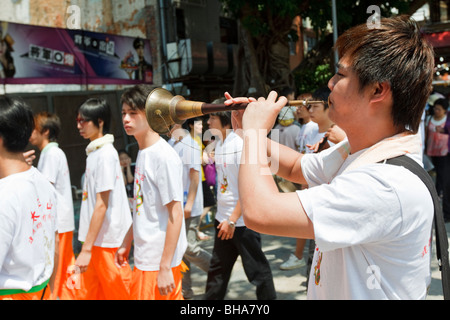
(163, 109)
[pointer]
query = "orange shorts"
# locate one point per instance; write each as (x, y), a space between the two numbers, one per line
(43, 294)
(144, 285)
(103, 280)
(66, 259)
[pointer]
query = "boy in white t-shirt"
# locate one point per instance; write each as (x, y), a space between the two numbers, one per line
(233, 238)
(105, 212)
(190, 154)
(158, 227)
(28, 229)
(287, 127)
(319, 114)
(53, 165)
(371, 221)
(308, 128)
(308, 131)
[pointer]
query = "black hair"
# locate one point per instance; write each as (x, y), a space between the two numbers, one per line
(287, 91)
(442, 102)
(16, 123)
(135, 97)
(191, 121)
(322, 94)
(224, 116)
(119, 152)
(95, 109)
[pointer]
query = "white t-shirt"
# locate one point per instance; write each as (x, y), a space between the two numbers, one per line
(103, 173)
(27, 230)
(157, 182)
(227, 158)
(287, 135)
(308, 131)
(190, 154)
(372, 229)
(53, 165)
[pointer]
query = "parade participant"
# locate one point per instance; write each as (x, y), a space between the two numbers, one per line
(319, 114)
(128, 174)
(53, 165)
(437, 142)
(308, 128)
(371, 221)
(105, 212)
(308, 131)
(232, 237)
(158, 227)
(287, 126)
(190, 154)
(28, 231)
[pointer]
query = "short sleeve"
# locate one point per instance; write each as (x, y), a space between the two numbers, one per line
(49, 167)
(169, 177)
(106, 174)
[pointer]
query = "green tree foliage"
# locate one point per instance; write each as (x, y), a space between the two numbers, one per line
(266, 28)
(312, 79)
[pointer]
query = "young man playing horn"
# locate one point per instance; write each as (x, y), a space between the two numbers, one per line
(372, 222)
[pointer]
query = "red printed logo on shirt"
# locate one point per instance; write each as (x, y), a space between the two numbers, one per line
(34, 216)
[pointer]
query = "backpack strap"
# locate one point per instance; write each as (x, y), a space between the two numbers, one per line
(439, 224)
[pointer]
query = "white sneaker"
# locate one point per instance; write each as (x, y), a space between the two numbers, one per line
(292, 263)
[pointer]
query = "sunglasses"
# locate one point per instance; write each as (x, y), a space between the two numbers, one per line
(82, 121)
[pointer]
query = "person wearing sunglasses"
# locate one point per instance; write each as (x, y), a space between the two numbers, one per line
(104, 214)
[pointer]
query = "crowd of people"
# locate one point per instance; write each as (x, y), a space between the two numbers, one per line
(364, 218)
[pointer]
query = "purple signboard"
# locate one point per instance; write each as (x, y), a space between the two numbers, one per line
(43, 55)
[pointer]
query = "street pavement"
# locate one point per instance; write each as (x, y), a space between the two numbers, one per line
(289, 285)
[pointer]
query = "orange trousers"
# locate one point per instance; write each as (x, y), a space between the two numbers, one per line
(103, 280)
(144, 285)
(66, 259)
(40, 295)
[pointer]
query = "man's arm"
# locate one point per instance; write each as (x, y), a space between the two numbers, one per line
(122, 254)
(226, 231)
(55, 263)
(285, 162)
(265, 209)
(101, 205)
(166, 282)
(194, 177)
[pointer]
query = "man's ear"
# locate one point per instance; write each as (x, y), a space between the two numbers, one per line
(46, 133)
(381, 91)
(100, 124)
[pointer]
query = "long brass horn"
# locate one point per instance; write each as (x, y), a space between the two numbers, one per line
(163, 109)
